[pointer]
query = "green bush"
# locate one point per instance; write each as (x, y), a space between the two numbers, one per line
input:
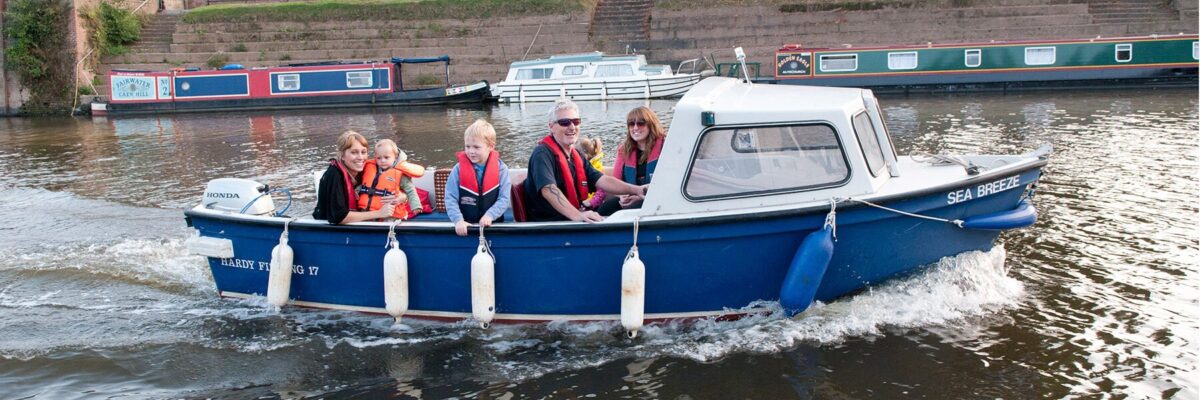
(113, 28)
(37, 52)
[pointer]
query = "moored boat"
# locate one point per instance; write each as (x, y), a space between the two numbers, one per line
(1159, 60)
(762, 193)
(317, 85)
(593, 76)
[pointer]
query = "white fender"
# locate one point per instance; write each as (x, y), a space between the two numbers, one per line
(483, 286)
(279, 280)
(395, 281)
(633, 293)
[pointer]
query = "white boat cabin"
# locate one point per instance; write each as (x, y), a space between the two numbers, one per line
(583, 66)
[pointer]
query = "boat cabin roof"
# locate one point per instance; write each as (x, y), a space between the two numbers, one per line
(594, 56)
(734, 146)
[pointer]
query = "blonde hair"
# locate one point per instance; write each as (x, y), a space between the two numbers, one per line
(347, 139)
(656, 132)
(482, 130)
(589, 146)
(387, 144)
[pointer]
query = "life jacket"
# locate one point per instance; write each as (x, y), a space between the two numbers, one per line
(346, 179)
(626, 167)
(474, 201)
(598, 164)
(574, 190)
(379, 183)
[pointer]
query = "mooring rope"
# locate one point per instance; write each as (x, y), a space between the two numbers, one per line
(945, 159)
(955, 222)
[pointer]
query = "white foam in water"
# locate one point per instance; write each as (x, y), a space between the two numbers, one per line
(965, 287)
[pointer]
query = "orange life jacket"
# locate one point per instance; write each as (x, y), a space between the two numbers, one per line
(376, 184)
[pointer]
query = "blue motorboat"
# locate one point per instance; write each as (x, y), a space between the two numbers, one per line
(774, 193)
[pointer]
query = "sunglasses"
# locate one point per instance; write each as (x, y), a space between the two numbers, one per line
(564, 122)
(636, 123)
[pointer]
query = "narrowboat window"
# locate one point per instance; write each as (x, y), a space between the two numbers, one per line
(1039, 55)
(869, 141)
(614, 70)
(572, 70)
(1196, 50)
(358, 79)
(534, 73)
(288, 81)
(839, 62)
(1124, 52)
(905, 60)
(735, 162)
(973, 57)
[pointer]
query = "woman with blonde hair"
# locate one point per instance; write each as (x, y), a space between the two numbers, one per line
(637, 156)
(336, 198)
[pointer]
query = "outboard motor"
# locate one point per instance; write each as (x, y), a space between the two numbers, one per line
(239, 196)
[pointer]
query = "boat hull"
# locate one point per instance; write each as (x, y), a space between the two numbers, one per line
(713, 267)
(473, 93)
(596, 90)
(1106, 78)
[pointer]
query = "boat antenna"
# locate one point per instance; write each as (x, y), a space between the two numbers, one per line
(741, 57)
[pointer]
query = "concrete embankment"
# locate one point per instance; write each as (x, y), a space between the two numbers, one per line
(483, 48)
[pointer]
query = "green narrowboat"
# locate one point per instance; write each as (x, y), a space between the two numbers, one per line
(1161, 60)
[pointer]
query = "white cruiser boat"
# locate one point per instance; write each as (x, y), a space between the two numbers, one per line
(593, 76)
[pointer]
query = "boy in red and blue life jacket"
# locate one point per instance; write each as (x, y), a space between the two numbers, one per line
(478, 189)
(390, 174)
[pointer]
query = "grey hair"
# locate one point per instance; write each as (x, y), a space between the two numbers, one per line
(562, 103)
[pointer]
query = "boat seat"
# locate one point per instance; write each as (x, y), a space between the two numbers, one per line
(439, 186)
(518, 202)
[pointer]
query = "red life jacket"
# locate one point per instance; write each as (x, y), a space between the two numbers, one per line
(574, 190)
(350, 202)
(474, 201)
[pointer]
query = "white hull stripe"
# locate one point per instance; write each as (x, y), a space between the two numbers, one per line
(506, 316)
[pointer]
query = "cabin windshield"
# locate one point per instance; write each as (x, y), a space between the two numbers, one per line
(736, 162)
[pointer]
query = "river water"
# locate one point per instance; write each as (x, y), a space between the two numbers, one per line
(1101, 298)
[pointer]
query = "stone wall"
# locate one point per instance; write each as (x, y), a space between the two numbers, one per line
(483, 48)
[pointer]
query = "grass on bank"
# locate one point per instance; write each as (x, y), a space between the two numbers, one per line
(813, 5)
(352, 10)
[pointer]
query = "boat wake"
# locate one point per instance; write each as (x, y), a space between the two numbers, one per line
(964, 291)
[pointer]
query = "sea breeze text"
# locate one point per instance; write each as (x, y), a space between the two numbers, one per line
(266, 266)
(989, 188)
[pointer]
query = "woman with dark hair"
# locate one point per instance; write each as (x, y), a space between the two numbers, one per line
(336, 198)
(636, 157)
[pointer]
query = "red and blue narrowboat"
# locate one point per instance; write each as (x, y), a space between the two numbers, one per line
(314, 85)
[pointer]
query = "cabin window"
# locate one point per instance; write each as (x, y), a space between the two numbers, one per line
(1196, 50)
(614, 70)
(839, 62)
(572, 70)
(973, 57)
(1124, 52)
(735, 162)
(358, 79)
(905, 60)
(1039, 55)
(288, 81)
(869, 141)
(654, 72)
(534, 73)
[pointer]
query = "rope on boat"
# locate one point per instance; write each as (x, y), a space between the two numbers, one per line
(831, 218)
(946, 159)
(955, 222)
(392, 233)
(483, 242)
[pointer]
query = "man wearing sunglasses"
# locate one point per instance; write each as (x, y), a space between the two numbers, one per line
(561, 177)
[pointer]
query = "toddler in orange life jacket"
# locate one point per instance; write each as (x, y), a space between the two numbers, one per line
(592, 149)
(478, 189)
(389, 174)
